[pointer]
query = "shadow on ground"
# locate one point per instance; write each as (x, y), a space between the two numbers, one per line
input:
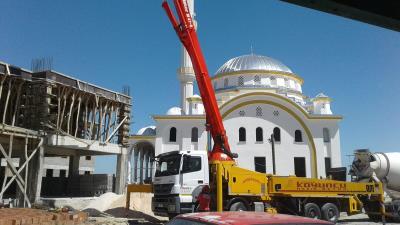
(132, 214)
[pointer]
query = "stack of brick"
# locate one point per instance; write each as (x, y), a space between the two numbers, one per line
(25, 216)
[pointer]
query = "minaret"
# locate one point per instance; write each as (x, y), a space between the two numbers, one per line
(322, 104)
(185, 72)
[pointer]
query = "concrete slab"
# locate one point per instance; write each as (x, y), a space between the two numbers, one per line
(59, 143)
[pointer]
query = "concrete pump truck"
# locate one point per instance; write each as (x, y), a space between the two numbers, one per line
(181, 174)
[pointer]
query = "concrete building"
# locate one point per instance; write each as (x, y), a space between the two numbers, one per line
(59, 166)
(258, 96)
(53, 125)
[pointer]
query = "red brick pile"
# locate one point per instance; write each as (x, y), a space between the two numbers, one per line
(24, 216)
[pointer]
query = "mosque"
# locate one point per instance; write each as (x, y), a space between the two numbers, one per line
(259, 98)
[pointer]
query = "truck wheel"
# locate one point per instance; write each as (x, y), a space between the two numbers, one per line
(330, 212)
(238, 206)
(312, 210)
(171, 216)
(375, 217)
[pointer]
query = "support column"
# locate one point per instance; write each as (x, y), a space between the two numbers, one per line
(35, 174)
(135, 165)
(73, 169)
(129, 166)
(2, 174)
(141, 165)
(146, 166)
(152, 165)
(120, 180)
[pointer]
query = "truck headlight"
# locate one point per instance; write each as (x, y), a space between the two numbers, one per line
(171, 208)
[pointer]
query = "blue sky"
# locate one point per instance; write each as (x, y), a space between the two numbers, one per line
(130, 42)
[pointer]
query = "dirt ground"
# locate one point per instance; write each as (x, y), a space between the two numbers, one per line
(109, 209)
(135, 218)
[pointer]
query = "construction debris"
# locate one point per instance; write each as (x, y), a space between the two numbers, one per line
(25, 216)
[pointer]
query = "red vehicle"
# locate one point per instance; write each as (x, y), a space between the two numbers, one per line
(242, 218)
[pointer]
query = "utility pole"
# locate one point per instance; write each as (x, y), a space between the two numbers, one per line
(272, 141)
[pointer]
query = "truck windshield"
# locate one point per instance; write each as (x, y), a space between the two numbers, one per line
(168, 165)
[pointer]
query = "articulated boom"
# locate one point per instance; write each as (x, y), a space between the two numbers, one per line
(187, 34)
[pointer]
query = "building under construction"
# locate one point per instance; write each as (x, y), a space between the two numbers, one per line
(46, 116)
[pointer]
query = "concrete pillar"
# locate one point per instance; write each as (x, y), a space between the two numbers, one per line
(141, 165)
(129, 166)
(120, 179)
(152, 164)
(135, 165)
(73, 169)
(35, 174)
(146, 165)
(2, 174)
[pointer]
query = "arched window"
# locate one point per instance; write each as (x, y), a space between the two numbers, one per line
(226, 82)
(172, 134)
(273, 81)
(287, 84)
(195, 134)
(326, 135)
(240, 81)
(259, 134)
(242, 134)
(257, 80)
(277, 134)
(298, 136)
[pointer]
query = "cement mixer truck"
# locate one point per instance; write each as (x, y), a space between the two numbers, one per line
(382, 167)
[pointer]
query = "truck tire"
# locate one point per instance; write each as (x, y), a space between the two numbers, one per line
(375, 217)
(372, 209)
(312, 210)
(330, 212)
(238, 206)
(171, 216)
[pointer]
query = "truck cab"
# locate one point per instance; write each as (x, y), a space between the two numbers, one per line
(179, 178)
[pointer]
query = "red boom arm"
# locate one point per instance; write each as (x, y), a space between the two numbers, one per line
(187, 34)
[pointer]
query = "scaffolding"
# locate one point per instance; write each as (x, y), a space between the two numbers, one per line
(35, 105)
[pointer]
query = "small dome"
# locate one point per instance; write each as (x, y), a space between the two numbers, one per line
(321, 95)
(174, 111)
(147, 131)
(253, 62)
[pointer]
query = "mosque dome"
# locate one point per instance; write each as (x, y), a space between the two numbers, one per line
(257, 73)
(253, 62)
(174, 111)
(147, 131)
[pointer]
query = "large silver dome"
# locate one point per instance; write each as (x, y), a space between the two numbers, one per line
(253, 62)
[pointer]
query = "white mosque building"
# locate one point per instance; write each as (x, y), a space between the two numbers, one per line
(258, 96)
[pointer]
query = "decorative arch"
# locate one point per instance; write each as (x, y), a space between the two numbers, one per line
(142, 162)
(311, 144)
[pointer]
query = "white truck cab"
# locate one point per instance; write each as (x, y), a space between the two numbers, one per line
(179, 178)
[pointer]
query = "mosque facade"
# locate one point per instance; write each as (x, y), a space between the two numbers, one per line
(260, 99)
